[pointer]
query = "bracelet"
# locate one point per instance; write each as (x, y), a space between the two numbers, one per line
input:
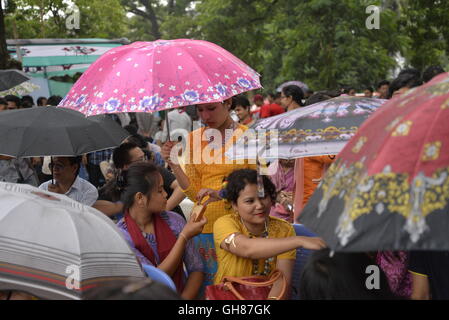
(272, 298)
(182, 235)
(230, 239)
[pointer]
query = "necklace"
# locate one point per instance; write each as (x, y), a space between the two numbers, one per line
(266, 269)
(229, 131)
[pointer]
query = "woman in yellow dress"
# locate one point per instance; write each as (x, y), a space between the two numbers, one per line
(207, 167)
(250, 241)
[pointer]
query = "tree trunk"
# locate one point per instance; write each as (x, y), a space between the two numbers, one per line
(171, 7)
(4, 57)
(153, 19)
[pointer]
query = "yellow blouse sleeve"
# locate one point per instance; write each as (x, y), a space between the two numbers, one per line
(195, 182)
(192, 172)
(292, 253)
(224, 227)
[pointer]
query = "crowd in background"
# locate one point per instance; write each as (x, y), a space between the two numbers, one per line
(138, 186)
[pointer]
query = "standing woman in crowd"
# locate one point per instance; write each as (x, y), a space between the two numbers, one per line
(158, 237)
(206, 167)
(291, 97)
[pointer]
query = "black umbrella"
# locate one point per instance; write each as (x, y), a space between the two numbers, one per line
(51, 131)
(11, 78)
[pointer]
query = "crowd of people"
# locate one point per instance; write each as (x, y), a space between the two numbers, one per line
(140, 187)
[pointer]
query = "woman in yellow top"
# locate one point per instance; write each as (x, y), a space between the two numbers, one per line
(250, 241)
(207, 167)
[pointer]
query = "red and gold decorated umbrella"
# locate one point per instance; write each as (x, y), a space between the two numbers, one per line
(389, 187)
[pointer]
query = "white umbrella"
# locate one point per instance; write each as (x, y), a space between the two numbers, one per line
(55, 248)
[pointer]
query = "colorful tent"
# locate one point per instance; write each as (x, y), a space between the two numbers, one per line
(47, 58)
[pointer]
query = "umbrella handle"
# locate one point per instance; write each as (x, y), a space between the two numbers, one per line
(51, 168)
(167, 125)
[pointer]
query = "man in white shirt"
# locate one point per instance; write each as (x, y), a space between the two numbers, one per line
(180, 123)
(65, 173)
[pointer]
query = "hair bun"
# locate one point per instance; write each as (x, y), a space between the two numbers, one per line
(223, 194)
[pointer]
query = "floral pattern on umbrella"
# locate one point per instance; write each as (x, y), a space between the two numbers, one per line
(319, 129)
(159, 75)
(389, 188)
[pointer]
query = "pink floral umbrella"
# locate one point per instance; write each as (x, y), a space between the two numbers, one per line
(159, 75)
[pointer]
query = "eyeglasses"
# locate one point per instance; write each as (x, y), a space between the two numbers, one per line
(140, 159)
(56, 166)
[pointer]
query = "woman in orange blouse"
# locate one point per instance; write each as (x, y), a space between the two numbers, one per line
(207, 167)
(308, 174)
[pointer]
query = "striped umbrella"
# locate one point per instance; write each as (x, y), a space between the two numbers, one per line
(55, 248)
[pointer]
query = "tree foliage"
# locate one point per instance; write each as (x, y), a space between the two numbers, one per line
(47, 19)
(426, 23)
(324, 43)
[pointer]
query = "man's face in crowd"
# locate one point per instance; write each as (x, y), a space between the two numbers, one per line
(241, 112)
(383, 90)
(368, 93)
(63, 170)
(12, 105)
(135, 155)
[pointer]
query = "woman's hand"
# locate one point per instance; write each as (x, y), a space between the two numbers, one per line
(166, 151)
(213, 196)
(192, 228)
(311, 243)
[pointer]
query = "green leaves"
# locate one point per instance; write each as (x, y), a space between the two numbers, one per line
(47, 19)
(324, 43)
(426, 25)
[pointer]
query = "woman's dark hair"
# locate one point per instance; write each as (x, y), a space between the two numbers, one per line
(238, 179)
(140, 177)
(340, 277)
(240, 100)
(132, 289)
(3, 101)
(295, 92)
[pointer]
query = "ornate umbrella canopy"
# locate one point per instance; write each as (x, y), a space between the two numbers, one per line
(159, 75)
(319, 129)
(389, 188)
